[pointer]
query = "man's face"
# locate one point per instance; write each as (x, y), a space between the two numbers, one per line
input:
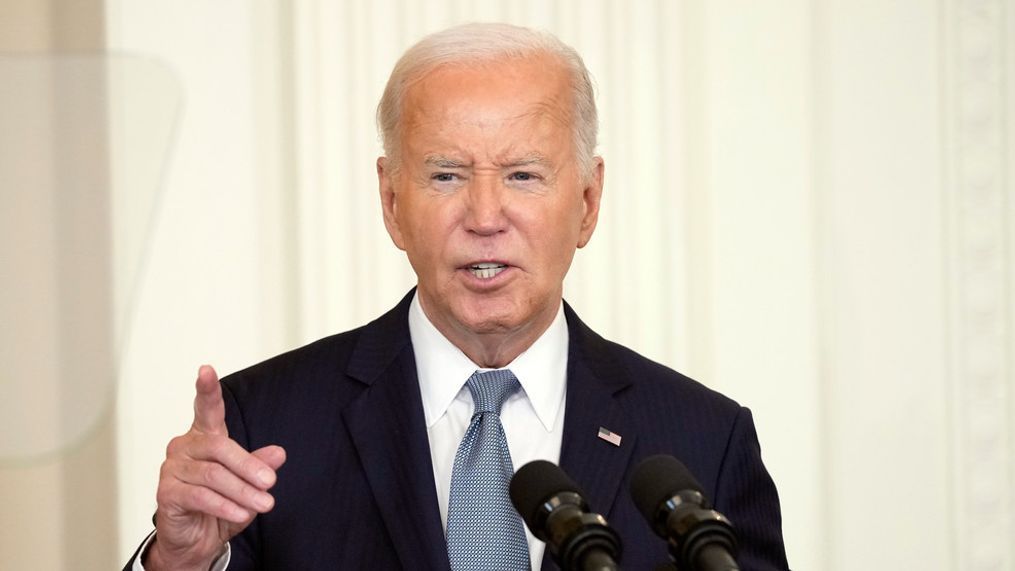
(488, 202)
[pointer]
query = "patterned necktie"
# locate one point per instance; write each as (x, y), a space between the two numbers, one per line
(484, 531)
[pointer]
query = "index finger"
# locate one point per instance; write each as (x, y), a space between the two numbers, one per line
(209, 408)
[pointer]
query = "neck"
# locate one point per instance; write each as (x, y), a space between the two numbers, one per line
(494, 349)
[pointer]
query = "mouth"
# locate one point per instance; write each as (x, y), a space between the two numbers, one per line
(486, 270)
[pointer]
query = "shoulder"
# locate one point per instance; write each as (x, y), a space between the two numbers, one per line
(650, 383)
(669, 412)
(681, 392)
(332, 369)
(320, 358)
(667, 402)
(297, 386)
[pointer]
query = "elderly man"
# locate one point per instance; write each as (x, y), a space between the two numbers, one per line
(390, 446)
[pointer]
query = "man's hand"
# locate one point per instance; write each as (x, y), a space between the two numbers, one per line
(210, 488)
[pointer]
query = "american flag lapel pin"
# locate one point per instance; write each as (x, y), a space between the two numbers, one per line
(611, 437)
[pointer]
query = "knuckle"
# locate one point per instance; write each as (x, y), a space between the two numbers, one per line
(203, 498)
(250, 464)
(223, 507)
(249, 492)
(173, 447)
(165, 471)
(180, 444)
(217, 445)
(212, 503)
(211, 474)
(163, 496)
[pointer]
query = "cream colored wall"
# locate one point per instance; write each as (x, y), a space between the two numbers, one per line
(211, 287)
(58, 482)
(808, 206)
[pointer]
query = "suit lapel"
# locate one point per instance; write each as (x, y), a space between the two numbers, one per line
(387, 427)
(594, 381)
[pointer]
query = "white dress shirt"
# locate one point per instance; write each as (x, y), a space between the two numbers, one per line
(533, 418)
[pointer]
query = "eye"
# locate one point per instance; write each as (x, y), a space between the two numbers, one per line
(522, 176)
(443, 177)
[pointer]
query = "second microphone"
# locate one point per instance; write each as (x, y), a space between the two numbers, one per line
(553, 507)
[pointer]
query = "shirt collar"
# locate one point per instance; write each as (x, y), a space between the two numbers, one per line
(443, 368)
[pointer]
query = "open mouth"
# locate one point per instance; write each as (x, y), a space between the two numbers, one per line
(486, 270)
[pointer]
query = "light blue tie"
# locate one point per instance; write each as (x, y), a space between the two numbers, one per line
(484, 530)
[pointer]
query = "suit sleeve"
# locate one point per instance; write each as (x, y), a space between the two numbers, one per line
(244, 546)
(746, 494)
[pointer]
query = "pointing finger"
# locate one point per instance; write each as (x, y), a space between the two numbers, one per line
(209, 409)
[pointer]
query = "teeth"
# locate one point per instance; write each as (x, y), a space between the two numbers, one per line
(486, 270)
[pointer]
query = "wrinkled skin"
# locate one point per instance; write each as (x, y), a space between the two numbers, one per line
(486, 173)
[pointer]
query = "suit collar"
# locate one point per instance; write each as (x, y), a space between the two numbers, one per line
(381, 342)
(587, 346)
(388, 430)
(595, 383)
(443, 368)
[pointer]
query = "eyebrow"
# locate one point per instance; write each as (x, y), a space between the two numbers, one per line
(443, 162)
(530, 159)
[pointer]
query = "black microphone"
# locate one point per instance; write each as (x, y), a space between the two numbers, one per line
(700, 538)
(552, 506)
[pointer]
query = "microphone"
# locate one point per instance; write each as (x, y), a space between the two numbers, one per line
(700, 538)
(553, 507)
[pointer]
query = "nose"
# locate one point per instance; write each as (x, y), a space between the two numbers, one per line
(485, 206)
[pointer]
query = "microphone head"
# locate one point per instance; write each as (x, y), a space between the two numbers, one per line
(535, 483)
(657, 479)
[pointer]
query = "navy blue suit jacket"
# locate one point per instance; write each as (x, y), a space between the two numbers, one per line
(357, 490)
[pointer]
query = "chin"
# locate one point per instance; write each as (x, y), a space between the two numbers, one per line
(490, 316)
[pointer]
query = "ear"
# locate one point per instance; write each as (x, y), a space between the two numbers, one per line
(591, 195)
(389, 201)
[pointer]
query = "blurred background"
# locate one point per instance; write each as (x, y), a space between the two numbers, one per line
(809, 206)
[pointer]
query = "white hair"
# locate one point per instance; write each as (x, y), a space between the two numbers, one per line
(480, 43)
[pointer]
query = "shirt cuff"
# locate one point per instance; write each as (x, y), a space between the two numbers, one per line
(220, 564)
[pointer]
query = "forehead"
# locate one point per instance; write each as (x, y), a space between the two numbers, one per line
(530, 95)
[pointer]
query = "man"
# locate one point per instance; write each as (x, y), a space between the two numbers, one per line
(373, 443)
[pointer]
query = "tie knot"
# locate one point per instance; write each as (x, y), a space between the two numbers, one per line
(490, 389)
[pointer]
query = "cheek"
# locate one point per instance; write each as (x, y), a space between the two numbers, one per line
(566, 236)
(554, 243)
(561, 226)
(412, 217)
(428, 234)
